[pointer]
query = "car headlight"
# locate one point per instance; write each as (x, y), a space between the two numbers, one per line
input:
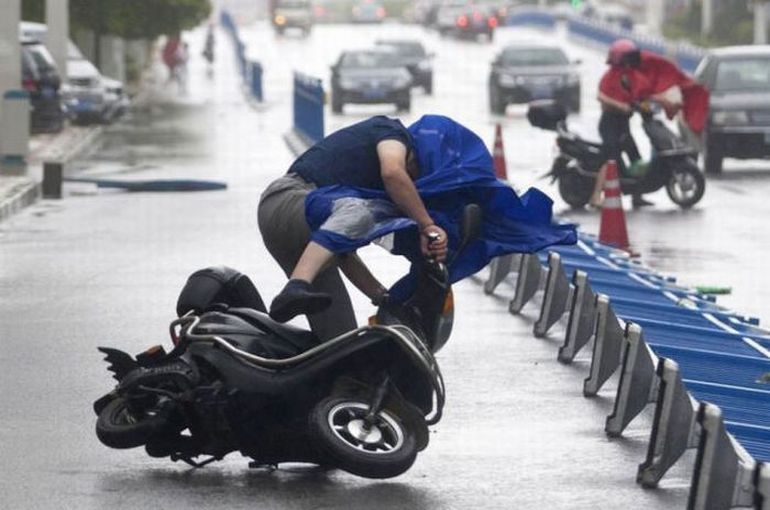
(733, 117)
(572, 79)
(424, 65)
(509, 80)
(347, 83)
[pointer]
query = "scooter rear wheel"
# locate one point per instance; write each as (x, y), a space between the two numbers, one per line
(120, 427)
(575, 189)
(384, 450)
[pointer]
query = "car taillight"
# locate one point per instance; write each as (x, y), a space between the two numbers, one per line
(380, 12)
(462, 21)
(29, 85)
(492, 22)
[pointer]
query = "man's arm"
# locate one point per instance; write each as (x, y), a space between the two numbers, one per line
(360, 276)
(614, 104)
(402, 191)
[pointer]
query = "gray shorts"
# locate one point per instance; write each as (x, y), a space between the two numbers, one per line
(281, 218)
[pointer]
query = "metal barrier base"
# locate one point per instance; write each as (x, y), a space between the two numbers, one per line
(674, 427)
(530, 275)
(558, 293)
(763, 487)
(499, 268)
(609, 343)
(638, 382)
(582, 318)
(725, 474)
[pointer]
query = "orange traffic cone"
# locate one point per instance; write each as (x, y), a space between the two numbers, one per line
(498, 155)
(612, 229)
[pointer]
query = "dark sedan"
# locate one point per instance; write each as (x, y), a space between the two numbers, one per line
(739, 120)
(521, 74)
(41, 79)
(413, 56)
(368, 77)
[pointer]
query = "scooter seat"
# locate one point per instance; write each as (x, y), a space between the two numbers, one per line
(301, 339)
(255, 332)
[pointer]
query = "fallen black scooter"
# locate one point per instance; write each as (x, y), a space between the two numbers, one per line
(673, 163)
(236, 380)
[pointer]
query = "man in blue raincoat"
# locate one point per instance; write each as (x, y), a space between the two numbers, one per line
(374, 181)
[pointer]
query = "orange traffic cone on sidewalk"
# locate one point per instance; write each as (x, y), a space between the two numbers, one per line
(612, 229)
(498, 155)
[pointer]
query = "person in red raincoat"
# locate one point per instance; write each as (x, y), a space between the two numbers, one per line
(636, 75)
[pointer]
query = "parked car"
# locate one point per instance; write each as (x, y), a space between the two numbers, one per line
(413, 56)
(523, 73)
(91, 97)
(738, 79)
(367, 11)
(87, 95)
(465, 20)
(287, 14)
(370, 76)
(41, 79)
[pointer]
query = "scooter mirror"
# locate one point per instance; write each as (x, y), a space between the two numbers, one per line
(470, 228)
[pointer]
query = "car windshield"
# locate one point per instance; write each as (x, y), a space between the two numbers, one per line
(406, 49)
(534, 57)
(369, 59)
(43, 59)
(750, 74)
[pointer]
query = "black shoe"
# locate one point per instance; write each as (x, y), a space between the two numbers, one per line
(639, 201)
(296, 298)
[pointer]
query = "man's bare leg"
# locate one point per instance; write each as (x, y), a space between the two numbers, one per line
(298, 296)
(596, 196)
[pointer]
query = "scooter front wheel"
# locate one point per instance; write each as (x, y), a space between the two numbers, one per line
(384, 449)
(686, 186)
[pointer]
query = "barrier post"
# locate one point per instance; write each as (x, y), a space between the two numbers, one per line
(255, 75)
(308, 108)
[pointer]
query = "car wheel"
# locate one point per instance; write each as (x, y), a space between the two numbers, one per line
(496, 103)
(712, 159)
(404, 105)
(336, 102)
(429, 86)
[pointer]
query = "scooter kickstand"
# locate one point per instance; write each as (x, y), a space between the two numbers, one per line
(377, 401)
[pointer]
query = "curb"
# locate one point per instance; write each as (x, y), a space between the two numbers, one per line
(23, 193)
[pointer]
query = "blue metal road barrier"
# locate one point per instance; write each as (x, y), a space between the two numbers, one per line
(250, 70)
(308, 107)
(723, 359)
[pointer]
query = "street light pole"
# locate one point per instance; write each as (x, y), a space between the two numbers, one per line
(707, 17)
(655, 16)
(57, 36)
(760, 22)
(10, 51)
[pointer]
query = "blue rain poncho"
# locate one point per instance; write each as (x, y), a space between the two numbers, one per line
(455, 169)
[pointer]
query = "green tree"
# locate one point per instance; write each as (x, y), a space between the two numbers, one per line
(130, 19)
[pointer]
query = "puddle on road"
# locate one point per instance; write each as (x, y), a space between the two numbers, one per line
(151, 136)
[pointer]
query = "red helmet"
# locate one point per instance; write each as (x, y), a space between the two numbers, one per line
(623, 51)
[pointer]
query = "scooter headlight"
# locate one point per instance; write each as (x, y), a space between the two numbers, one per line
(730, 117)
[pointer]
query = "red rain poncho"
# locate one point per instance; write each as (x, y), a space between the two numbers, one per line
(655, 75)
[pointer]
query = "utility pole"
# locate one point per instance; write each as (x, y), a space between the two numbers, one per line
(655, 16)
(760, 22)
(57, 36)
(14, 102)
(707, 17)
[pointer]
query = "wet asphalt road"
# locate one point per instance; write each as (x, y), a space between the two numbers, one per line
(104, 268)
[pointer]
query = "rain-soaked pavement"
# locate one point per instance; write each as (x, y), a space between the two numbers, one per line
(104, 268)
